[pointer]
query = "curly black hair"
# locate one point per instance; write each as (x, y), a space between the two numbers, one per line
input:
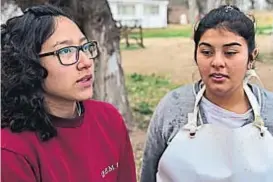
(22, 76)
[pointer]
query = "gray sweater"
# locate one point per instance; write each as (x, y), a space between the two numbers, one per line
(171, 114)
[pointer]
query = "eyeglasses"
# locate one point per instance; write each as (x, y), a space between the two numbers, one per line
(70, 55)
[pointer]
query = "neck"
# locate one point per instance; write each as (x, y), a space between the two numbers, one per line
(235, 101)
(61, 107)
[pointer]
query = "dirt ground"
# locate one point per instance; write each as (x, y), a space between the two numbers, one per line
(173, 57)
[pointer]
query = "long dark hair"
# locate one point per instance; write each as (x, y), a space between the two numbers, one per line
(232, 19)
(22, 75)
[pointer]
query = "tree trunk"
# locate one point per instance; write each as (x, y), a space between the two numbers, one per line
(95, 20)
(270, 2)
(252, 4)
(8, 10)
(110, 81)
(193, 11)
(198, 8)
(205, 6)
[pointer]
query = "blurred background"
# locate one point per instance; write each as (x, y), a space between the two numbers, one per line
(147, 48)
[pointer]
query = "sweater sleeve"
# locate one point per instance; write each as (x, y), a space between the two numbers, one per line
(127, 170)
(15, 167)
(267, 108)
(155, 145)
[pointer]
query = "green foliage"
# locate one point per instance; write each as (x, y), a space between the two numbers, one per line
(165, 32)
(143, 108)
(144, 92)
(264, 30)
(186, 32)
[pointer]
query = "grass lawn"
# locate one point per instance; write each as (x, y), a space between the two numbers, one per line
(264, 29)
(264, 24)
(178, 31)
(186, 31)
(144, 93)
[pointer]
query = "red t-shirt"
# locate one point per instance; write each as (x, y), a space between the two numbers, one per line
(94, 147)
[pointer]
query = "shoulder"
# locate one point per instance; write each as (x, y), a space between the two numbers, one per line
(267, 108)
(105, 113)
(265, 98)
(268, 100)
(99, 106)
(18, 143)
(182, 95)
(268, 97)
(172, 111)
(178, 100)
(101, 109)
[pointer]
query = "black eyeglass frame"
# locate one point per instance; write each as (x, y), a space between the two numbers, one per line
(79, 48)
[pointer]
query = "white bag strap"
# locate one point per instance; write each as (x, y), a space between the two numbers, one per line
(193, 117)
(251, 73)
(258, 122)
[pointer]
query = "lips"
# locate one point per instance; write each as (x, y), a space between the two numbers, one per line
(85, 78)
(218, 77)
(85, 82)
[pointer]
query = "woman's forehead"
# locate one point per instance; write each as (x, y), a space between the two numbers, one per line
(65, 30)
(221, 37)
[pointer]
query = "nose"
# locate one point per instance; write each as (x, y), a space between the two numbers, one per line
(84, 61)
(218, 61)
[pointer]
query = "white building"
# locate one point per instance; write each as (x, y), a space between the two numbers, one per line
(148, 13)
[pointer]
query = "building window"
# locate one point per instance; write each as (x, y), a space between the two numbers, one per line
(126, 9)
(151, 9)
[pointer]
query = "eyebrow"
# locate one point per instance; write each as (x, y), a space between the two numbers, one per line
(83, 39)
(232, 44)
(67, 42)
(225, 45)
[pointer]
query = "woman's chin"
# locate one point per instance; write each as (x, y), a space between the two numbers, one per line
(218, 90)
(85, 95)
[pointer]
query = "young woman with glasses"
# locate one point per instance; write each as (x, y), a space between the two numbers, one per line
(51, 129)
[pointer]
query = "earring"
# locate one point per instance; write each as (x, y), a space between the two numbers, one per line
(251, 73)
(251, 65)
